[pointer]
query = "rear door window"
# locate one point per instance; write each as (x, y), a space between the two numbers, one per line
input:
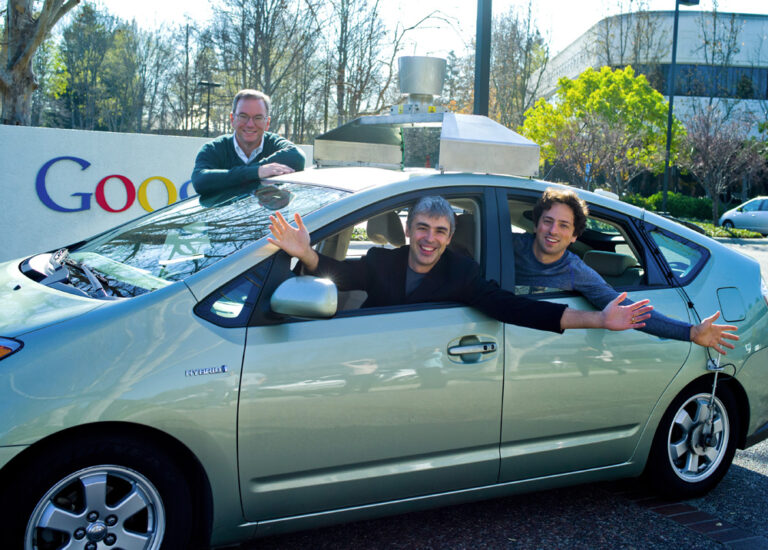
(684, 258)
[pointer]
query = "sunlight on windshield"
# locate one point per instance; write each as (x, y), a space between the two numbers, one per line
(173, 243)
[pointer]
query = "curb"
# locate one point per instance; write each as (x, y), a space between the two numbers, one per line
(719, 530)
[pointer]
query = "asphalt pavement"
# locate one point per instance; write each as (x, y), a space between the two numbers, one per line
(620, 515)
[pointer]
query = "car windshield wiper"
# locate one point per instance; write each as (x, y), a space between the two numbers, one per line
(93, 279)
(61, 259)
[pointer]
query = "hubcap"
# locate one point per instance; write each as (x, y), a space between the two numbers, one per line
(98, 505)
(96, 532)
(696, 443)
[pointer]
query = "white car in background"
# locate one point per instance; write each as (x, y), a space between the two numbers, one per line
(752, 215)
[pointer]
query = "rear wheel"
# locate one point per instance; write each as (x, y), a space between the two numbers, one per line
(694, 443)
(104, 493)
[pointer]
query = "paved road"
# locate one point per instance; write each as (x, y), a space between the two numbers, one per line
(614, 515)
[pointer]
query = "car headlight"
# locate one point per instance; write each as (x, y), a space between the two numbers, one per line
(9, 346)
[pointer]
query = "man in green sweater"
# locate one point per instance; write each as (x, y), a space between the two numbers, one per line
(250, 153)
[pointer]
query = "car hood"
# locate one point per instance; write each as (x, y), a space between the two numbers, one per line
(26, 305)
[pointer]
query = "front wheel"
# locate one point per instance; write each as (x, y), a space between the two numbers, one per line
(728, 224)
(105, 493)
(694, 443)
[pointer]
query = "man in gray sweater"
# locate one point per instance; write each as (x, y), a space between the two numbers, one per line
(250, 154)
(542, 259)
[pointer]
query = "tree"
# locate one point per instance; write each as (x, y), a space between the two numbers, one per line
(86, 41)
(184, 98)
(363, 53)
(607, 124)
(24, 32)
(458, 90)
(519, 57)
(262, 42)
(720, 44)
(51, 73)
(636, 36)
(719, 153)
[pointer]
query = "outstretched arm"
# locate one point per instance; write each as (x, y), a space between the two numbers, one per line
(612, 317)
(293, 240)
(709, 335)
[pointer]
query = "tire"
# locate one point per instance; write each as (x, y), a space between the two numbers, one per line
(112, 492)
(682, 464)
(728, 224)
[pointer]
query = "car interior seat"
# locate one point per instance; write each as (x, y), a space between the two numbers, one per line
(618, 270)
(463, 240)
(386, 229)
(336, 246)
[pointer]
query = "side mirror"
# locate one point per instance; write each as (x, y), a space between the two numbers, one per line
(305, 296)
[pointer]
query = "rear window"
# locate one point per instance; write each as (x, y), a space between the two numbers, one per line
(684, 258)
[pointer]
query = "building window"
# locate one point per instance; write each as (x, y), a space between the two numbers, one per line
(710, 80)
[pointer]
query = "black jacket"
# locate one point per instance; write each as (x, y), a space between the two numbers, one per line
(455, 278)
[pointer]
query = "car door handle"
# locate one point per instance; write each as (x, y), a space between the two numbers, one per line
(480, 347)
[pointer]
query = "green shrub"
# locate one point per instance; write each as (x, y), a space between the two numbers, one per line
(678, 205)
(637, 200)
(359, 234)
(718, 231)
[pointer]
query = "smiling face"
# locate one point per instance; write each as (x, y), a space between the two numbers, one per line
(554, 233)
(250, 121)
(428, 238)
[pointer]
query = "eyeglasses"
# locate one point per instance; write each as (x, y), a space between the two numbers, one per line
(257, 119)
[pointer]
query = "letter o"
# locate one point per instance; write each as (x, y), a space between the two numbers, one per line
(169, 187)
(130, 191)
(184, 191)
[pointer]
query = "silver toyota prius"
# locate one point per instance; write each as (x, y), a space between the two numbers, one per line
(177, 382)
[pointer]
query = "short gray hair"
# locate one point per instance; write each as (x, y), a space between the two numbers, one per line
(251, 94)
(434, 207)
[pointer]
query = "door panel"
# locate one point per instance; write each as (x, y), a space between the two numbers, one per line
(367, 408)
(580, 399)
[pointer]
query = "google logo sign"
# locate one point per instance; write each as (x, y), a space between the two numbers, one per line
(132, 193)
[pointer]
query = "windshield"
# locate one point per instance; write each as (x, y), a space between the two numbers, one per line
(180, 240)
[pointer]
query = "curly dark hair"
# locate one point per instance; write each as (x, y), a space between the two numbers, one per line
(567, 197)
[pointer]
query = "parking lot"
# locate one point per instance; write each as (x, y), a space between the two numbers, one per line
(606, 515)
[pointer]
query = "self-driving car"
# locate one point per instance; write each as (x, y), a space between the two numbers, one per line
(752, 215)
(177, 380)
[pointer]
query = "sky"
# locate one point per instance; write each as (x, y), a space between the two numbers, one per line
(562, 21)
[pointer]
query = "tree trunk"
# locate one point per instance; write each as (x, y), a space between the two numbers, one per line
(25, 29)
(17, 98)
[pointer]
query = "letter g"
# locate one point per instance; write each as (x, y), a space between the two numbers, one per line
(85, 198)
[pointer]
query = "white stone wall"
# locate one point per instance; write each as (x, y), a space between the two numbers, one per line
(106, 179)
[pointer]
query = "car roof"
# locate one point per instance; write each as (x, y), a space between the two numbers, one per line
(352, 178)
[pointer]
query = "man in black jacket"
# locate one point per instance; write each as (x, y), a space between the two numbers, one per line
(424, 271)
(250, 153)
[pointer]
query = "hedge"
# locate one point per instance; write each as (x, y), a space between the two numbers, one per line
(678, 205)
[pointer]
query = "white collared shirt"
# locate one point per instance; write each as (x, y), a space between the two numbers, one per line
(240, 153)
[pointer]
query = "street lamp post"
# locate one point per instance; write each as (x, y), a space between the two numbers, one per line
(671, 95)
(208, 84)
(483, 57)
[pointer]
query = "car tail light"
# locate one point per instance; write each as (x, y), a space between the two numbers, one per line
(8, 347)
